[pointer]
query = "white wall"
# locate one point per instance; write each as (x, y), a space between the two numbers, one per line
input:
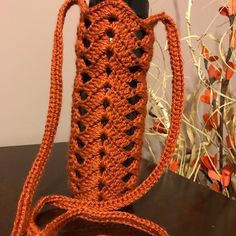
(25, 52)
(27, 29)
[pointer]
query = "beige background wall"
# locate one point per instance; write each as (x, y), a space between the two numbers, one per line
(25, 50)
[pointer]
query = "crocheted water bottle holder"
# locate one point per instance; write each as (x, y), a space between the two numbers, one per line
(114, 48)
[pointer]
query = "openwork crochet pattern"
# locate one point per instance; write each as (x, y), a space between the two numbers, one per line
(114, 48)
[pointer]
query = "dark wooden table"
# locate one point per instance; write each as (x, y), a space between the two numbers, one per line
(184, 208)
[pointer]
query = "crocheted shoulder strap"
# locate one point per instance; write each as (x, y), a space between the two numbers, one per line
(82, 207)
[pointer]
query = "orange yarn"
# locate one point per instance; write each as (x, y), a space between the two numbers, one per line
(114, 49)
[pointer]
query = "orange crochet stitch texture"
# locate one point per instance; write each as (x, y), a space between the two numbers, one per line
(109, 102)
(114, 48)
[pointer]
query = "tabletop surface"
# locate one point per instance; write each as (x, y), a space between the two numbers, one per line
(181, 206)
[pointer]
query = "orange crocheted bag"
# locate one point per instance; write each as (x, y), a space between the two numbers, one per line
(114, 48)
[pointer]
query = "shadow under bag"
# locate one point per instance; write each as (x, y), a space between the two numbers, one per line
(114, 48)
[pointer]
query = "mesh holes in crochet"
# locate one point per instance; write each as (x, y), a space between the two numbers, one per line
(98, 91)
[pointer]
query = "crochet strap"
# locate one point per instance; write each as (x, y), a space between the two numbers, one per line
(54, 109)
(95, 211)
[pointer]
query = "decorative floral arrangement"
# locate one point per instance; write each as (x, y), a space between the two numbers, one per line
(206, 150)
